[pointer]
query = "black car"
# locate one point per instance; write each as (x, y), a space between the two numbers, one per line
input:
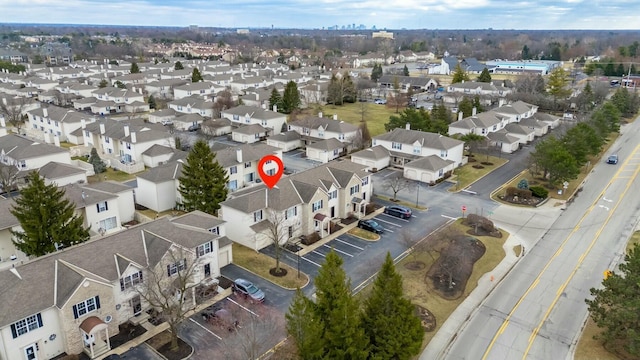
(248, 290)
(370, 225)
(613, 159)
(398, 211)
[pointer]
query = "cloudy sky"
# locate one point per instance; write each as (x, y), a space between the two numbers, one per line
(307, 14)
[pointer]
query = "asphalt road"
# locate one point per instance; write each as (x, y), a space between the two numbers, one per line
(538, 310)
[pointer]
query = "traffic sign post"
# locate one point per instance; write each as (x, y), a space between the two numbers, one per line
(464, 208)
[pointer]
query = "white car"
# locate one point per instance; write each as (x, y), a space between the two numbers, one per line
(380, 101)
(166, 122)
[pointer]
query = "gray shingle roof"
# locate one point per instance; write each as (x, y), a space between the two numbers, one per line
(250, 152)
(286, 136)
(426, 139)
(254, 111)
(329, 125)
(166, 172)
(7, 220)
(55, 170)
(431, 163)
(21, 148)
(198, 219)
(374, 153)
(111, 187)
(250, 129)
(327, 144)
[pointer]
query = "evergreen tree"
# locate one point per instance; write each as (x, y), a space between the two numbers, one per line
(275, 99)
(465, 106)
(405, 71)
(390, 321)
(103, 83)
(152, 102)
(305, 327)
(484, 76)
(290, 98)
(203, 183)
(178, 66)
(134, 68)
(557, 84)
(615, 306)
(343, 335)
(195, 75)
(47, 218)
(376, 73)
(477, 104)
(459, 75)
(98, 165)
(525, 53)
(120, 85)
(440, 113)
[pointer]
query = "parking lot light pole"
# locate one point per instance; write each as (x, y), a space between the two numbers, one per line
(417, 194)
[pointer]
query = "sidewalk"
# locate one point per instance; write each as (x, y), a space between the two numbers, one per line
(537, 222)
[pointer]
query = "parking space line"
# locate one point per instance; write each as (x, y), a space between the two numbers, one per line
(319, 253)
(390, 173)
(235, 302)
(338, 250)
(385, 229)
(448, 217)
(395, 217)
(389, 222)
(314, 263)
(346, 243)
(205, 329)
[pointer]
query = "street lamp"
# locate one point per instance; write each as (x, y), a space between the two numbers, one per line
(417, 193)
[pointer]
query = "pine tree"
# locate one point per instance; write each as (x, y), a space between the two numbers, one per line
(305, 327)
(484, 76)
(103, 84)
(203, 184)
(178, 66)
(466, 107)
(98, 165)
(405, 71)
(290, 98)
(275, 99)
(343, 334)
(47, 218)
(152, 102)
(615, 306)
(390, 321)
(376, 72)
(459, 75)
(120, 85)
(134, 68)
(195, 75)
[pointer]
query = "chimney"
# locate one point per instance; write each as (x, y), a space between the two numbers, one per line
(320, 114)
(4, 101)
(45, 112)
(56, 140)
(126, 130)
(133, 137)
(460, 114)
(239, 155)
(83, 124)
(102, 130)
(500, 102)
(133, 88)
(407, 126)
(275, 108)
(474, 111)
(335, 116)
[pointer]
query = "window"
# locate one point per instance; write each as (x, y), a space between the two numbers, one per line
(271, 172)
(215, 230)
(236, 117)
(108, 224)
(355, 189)
(233, 170)
(130, 281)
(257, 136)
(86, 133)
(320, 132)
(106, 139)
(205, 248)
(23, 164)
(443, 153)
(365, 181)
(233, 185)
(316, 206)
(396, 146)
(336, 152)
(333, 194)
(264, 122)
(495, 127)
(291, 212)
(257, 216)
(25, 325)
(341, 137)
(85, 307)
(247, 164)
(57, 124)
(417, 150)
(102, 206)
(173, 269)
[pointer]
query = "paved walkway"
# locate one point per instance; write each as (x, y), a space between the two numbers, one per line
(526, 226)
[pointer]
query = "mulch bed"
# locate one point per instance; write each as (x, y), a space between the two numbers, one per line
(127, 332)
(427, 318)
(448, 276)
(349, 220)
(280, 273)
(162, 344)
(415, 265)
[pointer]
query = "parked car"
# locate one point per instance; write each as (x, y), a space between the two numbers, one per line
(370, 225)
(166, 122)
(248, 290)
(398, 211)
(612, 159)
(380, 101)
(195, 127)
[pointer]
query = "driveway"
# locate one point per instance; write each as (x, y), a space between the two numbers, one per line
(275, 296)
(141, 352)
(295, 161)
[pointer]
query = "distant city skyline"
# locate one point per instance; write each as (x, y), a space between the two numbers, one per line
(324, 14)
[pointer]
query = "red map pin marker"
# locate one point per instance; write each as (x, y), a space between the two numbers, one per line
(270, 179)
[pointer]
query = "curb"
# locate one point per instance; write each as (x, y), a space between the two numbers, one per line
(481, 177)
(286, 288)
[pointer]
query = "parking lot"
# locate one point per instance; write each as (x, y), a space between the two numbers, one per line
(294, 161)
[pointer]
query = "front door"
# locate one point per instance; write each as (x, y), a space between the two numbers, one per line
(136, 305)
(333, 212)
(30, 352)
(207, 270)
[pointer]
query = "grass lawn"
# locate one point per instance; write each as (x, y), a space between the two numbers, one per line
(588, 348)
(260, 264)
(152, 214)
(417, 290)
(66, 145)
(364, 235)
(375, 115)
(110, 174)
(467, 174)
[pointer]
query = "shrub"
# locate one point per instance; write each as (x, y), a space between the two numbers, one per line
(521, 193)
(523, 184)
(539, 191)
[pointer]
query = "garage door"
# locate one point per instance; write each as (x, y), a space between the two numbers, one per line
(410, 174)
(223, 258)
(370, 164)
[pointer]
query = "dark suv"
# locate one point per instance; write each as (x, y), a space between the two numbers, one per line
(398, 211)
(370, 225)
(613, 159)
(248, 290)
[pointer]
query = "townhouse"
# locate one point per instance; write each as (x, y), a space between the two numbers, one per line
(313, 129)
(193, 105)
(246, 115)
(115, 100)
(73, 300)
(29, 155)
(416, 84)
(55, 121)
(203, 89)
(307, 203)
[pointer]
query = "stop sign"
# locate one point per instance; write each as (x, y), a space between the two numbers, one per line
(464, 208)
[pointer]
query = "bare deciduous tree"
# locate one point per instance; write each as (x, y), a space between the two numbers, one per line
(278, 233)
(12, 109)
(169, 288)
(396, 184)
(8, 177)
